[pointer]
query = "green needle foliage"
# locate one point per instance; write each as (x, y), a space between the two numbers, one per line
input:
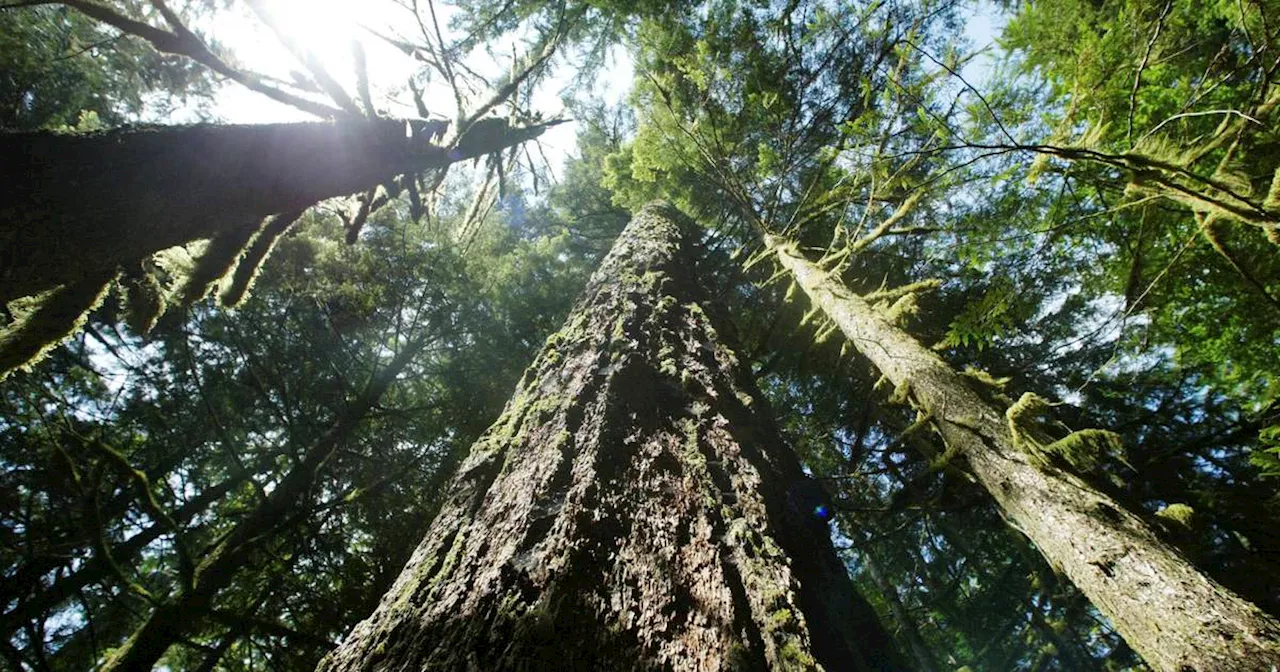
(1083, 220)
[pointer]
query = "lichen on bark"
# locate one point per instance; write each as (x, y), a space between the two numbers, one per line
(1175, 616)
(631, 509)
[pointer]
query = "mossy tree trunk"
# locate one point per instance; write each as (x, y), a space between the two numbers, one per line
(78, 206)
(632, 509)
(1177, 618)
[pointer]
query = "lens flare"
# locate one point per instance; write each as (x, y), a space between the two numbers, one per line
(822, 512)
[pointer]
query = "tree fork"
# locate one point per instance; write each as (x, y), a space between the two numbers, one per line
(632, 509)
(1177, 618)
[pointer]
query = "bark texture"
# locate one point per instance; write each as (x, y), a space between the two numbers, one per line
(75, 205)
(632, 509)
(1177, 618)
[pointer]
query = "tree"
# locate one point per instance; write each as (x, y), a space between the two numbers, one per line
(1155, 597)
(702, 139)
(632, 508)
(830, 140)
(130, 193)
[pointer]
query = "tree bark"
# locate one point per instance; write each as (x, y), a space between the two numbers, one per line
(632, 509)
(72, 206)
(1177, 618)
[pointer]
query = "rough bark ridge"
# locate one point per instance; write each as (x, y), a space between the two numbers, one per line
(632, 509)
(1174, 616)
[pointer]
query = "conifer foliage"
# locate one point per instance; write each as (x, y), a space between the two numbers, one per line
(932, 354)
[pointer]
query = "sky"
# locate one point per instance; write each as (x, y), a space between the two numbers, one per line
(327, 28)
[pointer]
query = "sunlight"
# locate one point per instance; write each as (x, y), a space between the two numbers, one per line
(326, 28)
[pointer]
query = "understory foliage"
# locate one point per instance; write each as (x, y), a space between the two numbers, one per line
(1082, 218)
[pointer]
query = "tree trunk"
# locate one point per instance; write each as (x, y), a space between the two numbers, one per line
(1174, 616)
(72, 206)
(907, 629)
(632, 509)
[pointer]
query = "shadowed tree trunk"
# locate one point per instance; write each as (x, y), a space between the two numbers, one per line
(1177, 618)
(632, 509)
(905, 624)
(77, 206)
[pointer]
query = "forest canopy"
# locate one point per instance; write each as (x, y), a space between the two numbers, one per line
(932, 334)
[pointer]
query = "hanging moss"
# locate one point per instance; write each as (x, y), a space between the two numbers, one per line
(1021, 416)
(216, 261)
(143, 299)
(1084, 449)
(1180, 515)
(985, 377)
(255, 255)
(1272, 202)
(50, 319)
(903, 309)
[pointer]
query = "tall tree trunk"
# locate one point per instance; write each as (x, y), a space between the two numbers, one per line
(906, 627)
(74, 206)
(170, 621)
(1177, 618)
(632, 509)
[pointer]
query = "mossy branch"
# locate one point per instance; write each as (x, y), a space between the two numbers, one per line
(217, 260)
(250, 264)
(52, 319)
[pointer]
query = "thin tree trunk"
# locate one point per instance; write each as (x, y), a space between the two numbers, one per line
(632, 509)
(1177, 618)
(907, 628)
(97, 568)
(72, 206)
(169, 622)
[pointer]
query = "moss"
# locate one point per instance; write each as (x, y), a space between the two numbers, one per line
(902, 309)
(692, 454)
(901, 392)
(51, 318)
(738, 530)
(1180, 515)
(619, 332)
(791, 292)
(1272, 202)
(1083, 449)
(1020, 416)
(667, 361)
(257, 252)
(738, 656)
(824, 334)
(450, 559)
(984, 377)
(664, 304)
(793, 656)
(781, 619)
